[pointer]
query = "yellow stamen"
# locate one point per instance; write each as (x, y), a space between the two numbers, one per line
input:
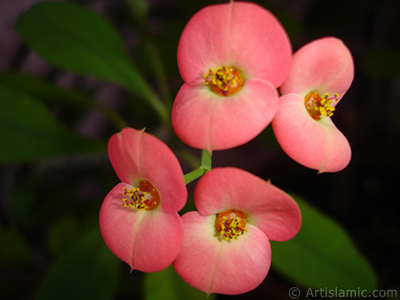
(318, 106)
(143, 197)
(231, 224)
(224, 81)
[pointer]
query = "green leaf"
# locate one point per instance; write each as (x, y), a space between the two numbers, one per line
(63, 234)
(30, 132)
(39, 88)
(87, 270)
(23, 201)
(14, 249)
(322, 255)
(50, 93)
(72, 37)
(168, 284)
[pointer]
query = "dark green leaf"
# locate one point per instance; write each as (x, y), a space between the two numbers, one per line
(322, 255)
(41, 89)
(63, 234)
(29, 131)
(50, 93)
(79, 40)
(168, 282)
(23, 201)
(14, 249)
(87, 270)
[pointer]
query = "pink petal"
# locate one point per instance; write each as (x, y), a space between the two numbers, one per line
(124, 149)
(269, 208)
(324, 66)
(315, 144)
(243, 35)
(146, 240)
(218, 266)
(204, 120)
(136, 155)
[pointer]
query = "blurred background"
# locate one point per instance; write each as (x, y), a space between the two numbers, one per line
(47, 204)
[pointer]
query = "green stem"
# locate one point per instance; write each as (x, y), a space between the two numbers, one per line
(206, 160)
(191, 176)
(205, 166)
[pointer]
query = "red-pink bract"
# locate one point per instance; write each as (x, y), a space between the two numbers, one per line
(139, 237)
(241, 35)
(324, 66)
(215, 265)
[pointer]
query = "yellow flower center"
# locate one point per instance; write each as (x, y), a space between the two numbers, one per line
(143, 197)
(231, 224)
(224, 81)
(318, 106)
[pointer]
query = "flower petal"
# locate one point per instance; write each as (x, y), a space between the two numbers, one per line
(124, 150)
(243, 35)
(315, 144)
(269, 208)
(205, 120)
(146, 240)
(136, 155)
(213, 265)
(324, 66)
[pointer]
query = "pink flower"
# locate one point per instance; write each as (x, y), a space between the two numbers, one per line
(138, 218)
(231, 57)
(322, 72)
(226, 245)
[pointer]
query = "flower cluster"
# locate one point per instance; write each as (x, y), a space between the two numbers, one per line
(233, 58)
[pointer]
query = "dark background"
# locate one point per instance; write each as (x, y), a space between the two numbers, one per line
(363, 197)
